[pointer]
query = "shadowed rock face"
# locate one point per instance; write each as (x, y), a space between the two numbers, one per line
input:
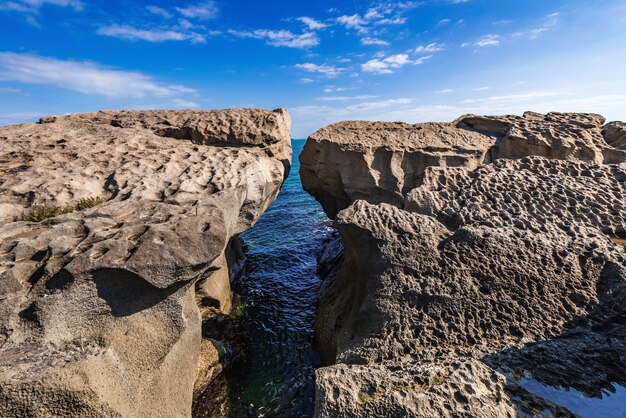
(480, 273)
(98, 307)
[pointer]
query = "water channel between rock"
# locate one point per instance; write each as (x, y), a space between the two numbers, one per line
(278, 295)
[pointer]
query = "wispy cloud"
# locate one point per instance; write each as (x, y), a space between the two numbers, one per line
(185, 104)
(430, 48)
(159, 11)
(548, 23)
(373, 41)
(380, 15)
(284, 38)
(151, 35)
(517, 97)
(82, 76)
(311, 23)
(385, 65)
(33, 6)
(389, 64)
(201, 11)
(367, 106)
(326, 70)
(487, 40)
(345, 98)
(185, 28)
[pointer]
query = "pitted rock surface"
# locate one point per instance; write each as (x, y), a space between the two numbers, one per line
(533, 194)
(381, 161)
(98, 306)
(516, 266)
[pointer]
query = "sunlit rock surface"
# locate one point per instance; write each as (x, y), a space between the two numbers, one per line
(100, 306)
(484, 273)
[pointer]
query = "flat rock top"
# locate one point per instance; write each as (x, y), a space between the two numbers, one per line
(231, 126)
(359, 135)
(177, 196)
(142, 155)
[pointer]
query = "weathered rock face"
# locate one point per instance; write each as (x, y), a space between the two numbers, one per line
(380, 162)
(99, 307)
(480, 274)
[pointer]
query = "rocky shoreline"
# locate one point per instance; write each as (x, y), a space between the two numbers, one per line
(469, 259)
(118, 234)
(478, 253)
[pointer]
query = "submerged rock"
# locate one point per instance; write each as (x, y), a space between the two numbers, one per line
(482, 271)
(101, 301)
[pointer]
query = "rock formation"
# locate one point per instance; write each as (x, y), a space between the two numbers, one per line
(501, 258)
(102, 301)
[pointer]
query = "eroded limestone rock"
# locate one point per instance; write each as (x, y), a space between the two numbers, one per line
(381, 161)
(98, 307)
(482, 274)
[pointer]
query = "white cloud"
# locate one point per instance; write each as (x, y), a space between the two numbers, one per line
(383, 14)
(443, 22)
(487, 40)
(186, 28)
(548, 23)
(280, 37)
(201, 11)
(517, 97)
(306, 80)
(151, 35)
(367, 106)
(33, 6)
(422, 60)
(445, 91)
(352, 22)
(387, 65)
(327, 70)
(159, 11)
(430, 48)
(23, 117)
(82, 76)
(311, 23)
(185, 104)
(483, 88)
(373, 41)
(12, 90)
(344, 98)
(376, 66)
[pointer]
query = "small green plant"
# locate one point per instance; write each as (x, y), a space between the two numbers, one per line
(220, 347)
(41, 213)
(88, 203)
(241, 310)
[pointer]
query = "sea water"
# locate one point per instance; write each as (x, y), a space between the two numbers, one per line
(278, 298)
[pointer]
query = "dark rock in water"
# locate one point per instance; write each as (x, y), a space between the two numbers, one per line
(482, 270)
(114, 229)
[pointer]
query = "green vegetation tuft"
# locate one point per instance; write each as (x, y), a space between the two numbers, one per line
(88, 203)
(41, 213)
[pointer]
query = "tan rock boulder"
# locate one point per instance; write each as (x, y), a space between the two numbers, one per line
(99, 313)
(381, 161)
(486, 273)
(563, 136)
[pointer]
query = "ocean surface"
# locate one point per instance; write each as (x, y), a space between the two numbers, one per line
(278, 298)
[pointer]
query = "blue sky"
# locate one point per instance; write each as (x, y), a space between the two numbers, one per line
(324, 61)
